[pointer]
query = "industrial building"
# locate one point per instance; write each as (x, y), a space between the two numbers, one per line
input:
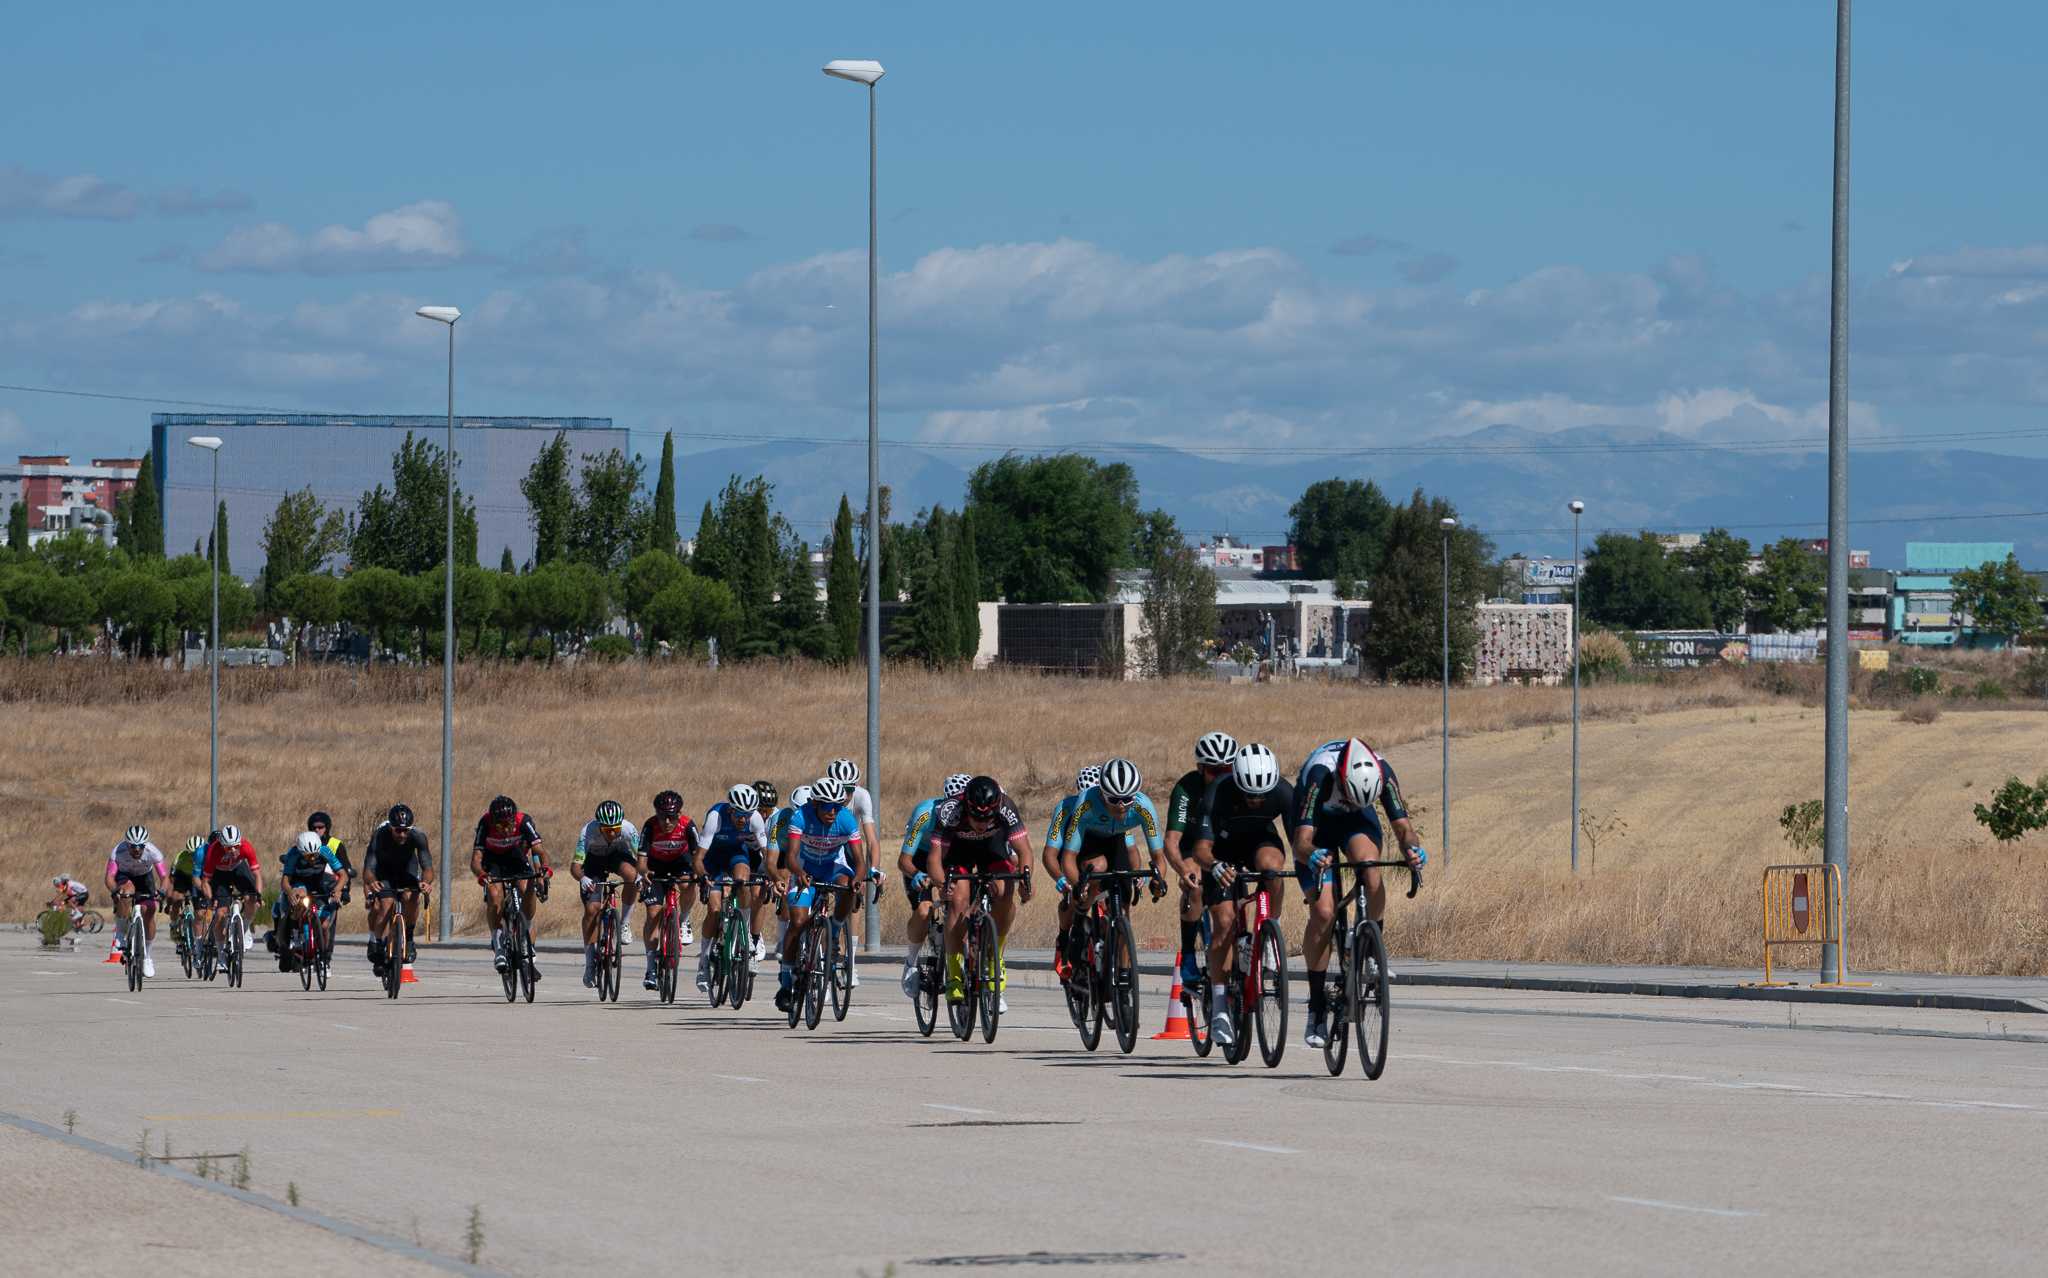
(266, 456)
(62, 497)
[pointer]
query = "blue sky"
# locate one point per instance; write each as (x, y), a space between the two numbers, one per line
(1307, 225)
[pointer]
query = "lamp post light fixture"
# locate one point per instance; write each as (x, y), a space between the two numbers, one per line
(212, 444)
(1448, 525)
(866, 71)
(1578, 508)
(447, 315)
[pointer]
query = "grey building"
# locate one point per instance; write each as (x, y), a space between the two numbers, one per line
(341, 458)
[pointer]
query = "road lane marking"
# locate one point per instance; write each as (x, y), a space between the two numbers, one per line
(1258, 1149)
(1735, 1085)
(958, 1109)
(739, 1078)
(129, 1001)
(36, 971)
(356, 1028)
(1704, 1211)
(285, 1115)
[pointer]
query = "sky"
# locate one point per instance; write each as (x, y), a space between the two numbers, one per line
(1234, 227)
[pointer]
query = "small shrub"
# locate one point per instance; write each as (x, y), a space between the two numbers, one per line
(1923, 711)
(1602, 655)
(53, 924)
(609, 648)
(291, 1192)
(2016, 809)
(2033, 677)
(1804, 825)
(1988, 689)
(1922, 682)
(473, 1237)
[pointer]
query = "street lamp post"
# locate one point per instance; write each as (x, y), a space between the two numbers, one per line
(1836, 782)
(443, 925)
(212, 443)
(866, 72)
(1447, 524)
(1578, 508)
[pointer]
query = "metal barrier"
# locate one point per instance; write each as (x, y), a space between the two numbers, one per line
(1803, 906)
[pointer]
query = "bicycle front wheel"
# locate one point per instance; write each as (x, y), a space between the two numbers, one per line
(1369, 979)
(1337, 1047)
(667, 961)
(926, 1004)
(839, 960)
(815, 972)
(394, 953)
(1240, 1044)
(1272, 1009)
(1088, 981)
(136, 941)
(989, 957)
(237, 936)
(186, 945)
(1122, 963)
(306, 965)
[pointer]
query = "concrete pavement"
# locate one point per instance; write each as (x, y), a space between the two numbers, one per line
(1533, 1131)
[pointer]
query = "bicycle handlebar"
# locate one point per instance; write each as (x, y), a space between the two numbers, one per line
(1360, 867)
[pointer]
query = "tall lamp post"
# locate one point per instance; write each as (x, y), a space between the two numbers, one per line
(443, 925)
(1448, 525)
(1836, 787)
(866, 71)
(1578, 508)
(212, 443)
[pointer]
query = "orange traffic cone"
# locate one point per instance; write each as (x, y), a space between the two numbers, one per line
(1176, 1030)
(405, 976)
(113, 954)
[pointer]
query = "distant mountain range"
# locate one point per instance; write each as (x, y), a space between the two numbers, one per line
(1518, 496)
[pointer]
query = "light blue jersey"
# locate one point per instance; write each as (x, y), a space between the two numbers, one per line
(917, 831)
(825, 846)
(1062, 812)
(1094, 817)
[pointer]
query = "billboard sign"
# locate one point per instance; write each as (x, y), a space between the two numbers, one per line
(1690, 652)
(1549, 572)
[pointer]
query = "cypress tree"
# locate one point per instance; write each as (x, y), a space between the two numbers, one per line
(842, 587)
(146, 514)
(17, 529)
(966, 587)
(663, 535)
(220, 538)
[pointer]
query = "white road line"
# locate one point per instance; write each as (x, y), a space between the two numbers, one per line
(958, 1109)
(739, 1078)
(1260, 1149)
(1704, 1211)
(129, 1001)
(40, 972)
(1735, 1085)
(357, 1029)
(586, 1058)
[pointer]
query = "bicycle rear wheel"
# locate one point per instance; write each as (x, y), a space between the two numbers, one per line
(1194, 1004)
(90, 921)
(306, 965)
(961, 1015)
(1240, 1044)
(839, 961)
(1272, 1009)
(1368, 980)
(187, 944)
(1123, 982)
(926, 1004)
(816, 974)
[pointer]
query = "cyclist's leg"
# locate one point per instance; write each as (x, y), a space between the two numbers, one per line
(629, 870)
(592, 903)
(958, 899)
(149, 917)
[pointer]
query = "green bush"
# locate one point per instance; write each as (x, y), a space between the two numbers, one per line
(1602, 655)
(2015, 809)
(610, 648)
(53, 924)
(1989, 689)
(1804, 825)
(2034, 674)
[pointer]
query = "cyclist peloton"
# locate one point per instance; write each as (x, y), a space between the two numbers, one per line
(1334, 798)
(1099, 835)
(910, 862)
(1214, 753)
(311, 875)
(507, 844)
(230, 862)
(135, 871)
(862, 805)
(1236, 830)
(822, 845)
(1049, 856)
(980, 830)
(669, 842)
(735, 837)
(607, 845)
(395, 858)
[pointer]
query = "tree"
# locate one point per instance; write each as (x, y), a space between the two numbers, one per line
(2016, 809)
(476, 600)
(1339, 529)
(1791, 590)
(135, 602)
(661, 527)
(691, 610)
(382, 602)
(1719, 569)
(1053, 529)
(405, 528)
(550, 500)
(1631, 583)
(800, 629)
(1178, 617)
(1405, 642)
(307, 599)
(220, 538)
(967, 585)
(842, 588)
(606, 522)
(1998, 598)
(739, 544)
(301, 536)
(17, 530)
(649, 573)
(565, 599)
(506, 564)
(124, 512)
(65, 605)
(1156, 534)
(145, 514)
(930, 629)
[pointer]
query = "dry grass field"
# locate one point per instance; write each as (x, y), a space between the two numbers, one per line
(1689, 776)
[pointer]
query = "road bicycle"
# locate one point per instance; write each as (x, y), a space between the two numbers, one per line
(515, 937)
(394, 935)
(610, 953)
(135, 937)
(227, 954)
(1360, 1001)
(185, 934)
(931, 969)
(824, 967)
(1257, 978)
(1102, 975)
(729, 962)
(665, 930)
(981, 958)
(312, 944)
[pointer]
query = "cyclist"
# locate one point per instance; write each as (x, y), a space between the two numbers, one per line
(778, 832)
(608, 845)
(1214, 752)
(396, 858)
(917, 842)
(735, 836)
(72, 895)
(1055, 833)
(229, 863)
(507, 844)
(312, 873)
(1236, 830)
(862, 804)
(1098, 836)
(980, 830)
(135, 870)
(669, 840)
(183, 869)
(1333, 806)
(823, 844)
(323, 825)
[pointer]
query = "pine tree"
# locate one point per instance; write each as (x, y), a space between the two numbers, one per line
(506, 564)
(662, 527)
(550, 501)
(967, 588)
(843, 588)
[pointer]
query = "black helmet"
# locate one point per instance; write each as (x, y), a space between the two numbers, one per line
(503, 809)
(400, 817)
(320, 819)
(766, 793)
(982, 796)
(668, 805)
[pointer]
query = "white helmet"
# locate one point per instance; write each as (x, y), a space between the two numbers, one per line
(309, 842)
(1216, 749)
(844, 771)
(1255, 769)
(830, 791)
(1120, 779)
(1358, 769)
(138, 835)
(1089, 777)
(743, 796)
(799, 796)
(956, 785)
(230, 834)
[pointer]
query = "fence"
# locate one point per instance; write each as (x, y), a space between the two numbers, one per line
(1803, 906)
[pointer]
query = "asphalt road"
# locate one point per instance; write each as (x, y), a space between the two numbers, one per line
(1512, 1131)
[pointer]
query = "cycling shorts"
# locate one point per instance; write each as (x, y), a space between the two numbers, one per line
(1242, 851)
(1335, 830)
(504, 865)
(719, 861)
(145, 883)
(980, 854)
(1001, 865)
(653, 874)
(827, 868)
(405, 881)
(1100, 844)
(240, 879)
(600, 864)
(319, 889)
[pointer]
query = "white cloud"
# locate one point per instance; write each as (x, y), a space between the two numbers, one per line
(2021, 261)
(27, 194)
(424, 234)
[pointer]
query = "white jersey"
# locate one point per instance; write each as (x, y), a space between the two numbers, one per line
(862, 805)
(755, 833)
(593, 839)
(139, 860)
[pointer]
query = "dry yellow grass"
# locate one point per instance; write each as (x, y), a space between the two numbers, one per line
(1698, 771)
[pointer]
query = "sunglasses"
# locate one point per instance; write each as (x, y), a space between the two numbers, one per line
(826, 809)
